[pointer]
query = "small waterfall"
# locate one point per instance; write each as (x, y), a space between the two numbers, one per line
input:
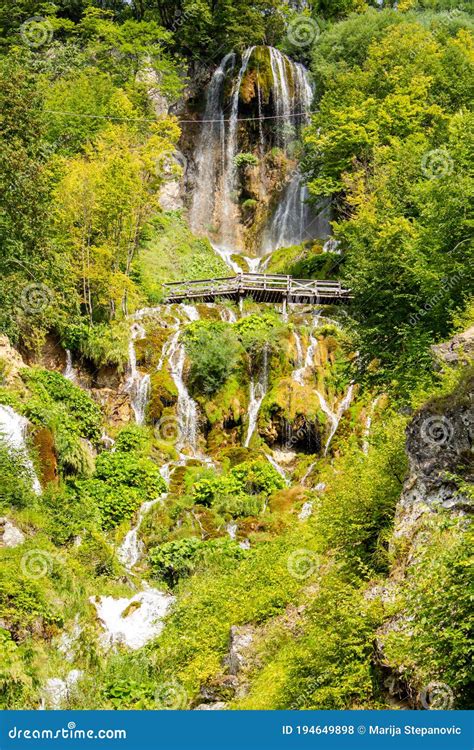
(306, 510)
(299, 350)
(13, 429)
(258, 390)
(277, 467)
(228, 315)
(301, 373)
(132, 548)
(187, 411)
(69, 371)
(335, 417)
(137, 385)
(231, 529)
(191, 311)
(368, 425)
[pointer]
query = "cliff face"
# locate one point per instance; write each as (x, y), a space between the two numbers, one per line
(433, 513)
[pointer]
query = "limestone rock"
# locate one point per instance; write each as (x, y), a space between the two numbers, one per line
(458, 349)
(11, 360)
(241, 639)
(10, 535)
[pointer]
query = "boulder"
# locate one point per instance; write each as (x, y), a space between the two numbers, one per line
(457, 350)
(10, 535)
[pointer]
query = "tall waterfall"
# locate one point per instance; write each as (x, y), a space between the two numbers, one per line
(214, 210)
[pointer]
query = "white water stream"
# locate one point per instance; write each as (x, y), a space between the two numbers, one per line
(13, 429)
(258, 390)
(137, 385)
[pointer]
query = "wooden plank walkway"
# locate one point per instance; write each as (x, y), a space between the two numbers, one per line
(261, 287)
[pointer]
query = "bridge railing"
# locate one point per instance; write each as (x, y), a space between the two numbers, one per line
(254, 282)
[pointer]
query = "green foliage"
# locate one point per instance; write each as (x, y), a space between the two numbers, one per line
(213, 350)
(242, 491)
(175, 559)
(244, 160)
(436, 619)
(172, 253)
(81, 410)
(17, 478)
(392, 151)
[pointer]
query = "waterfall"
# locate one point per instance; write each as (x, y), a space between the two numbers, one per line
(69, 371)
(132, 622)
(187, 411)
(132, 548)
(368, 425)
(210, 149)
(277, 467)
(301, 373)
(258, 390)
(335, 417)
(214, 209)
(191, 312)
(137, 385)
(228, 218)
(231, 529)
(299, 349)
(13, 429)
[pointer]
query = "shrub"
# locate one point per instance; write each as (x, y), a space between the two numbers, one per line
(115, 503)
(245, 160)
(17, 478)
(175, 559)
(130, 470)
(82, 414)
(213, 350)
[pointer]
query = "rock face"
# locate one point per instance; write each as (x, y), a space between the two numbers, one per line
(440, 448)
(13, 361)
(10, 535)
(459, 349)
(440, 442)
(241, 638)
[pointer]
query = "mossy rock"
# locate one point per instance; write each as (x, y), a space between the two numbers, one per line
(228, 405)
(163, 394)
(44, 443)
(148, 350)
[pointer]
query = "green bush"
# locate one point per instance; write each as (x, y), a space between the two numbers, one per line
(115, 503)
(130, 470)
(245, 160)
(83, 415)
(17, 479)
(213, 350)
(173, 560)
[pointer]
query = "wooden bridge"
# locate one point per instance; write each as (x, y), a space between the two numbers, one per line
(261, 287)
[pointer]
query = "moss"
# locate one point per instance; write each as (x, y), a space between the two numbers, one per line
(163, 394)
(44, 443)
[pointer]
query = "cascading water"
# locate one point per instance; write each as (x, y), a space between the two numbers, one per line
(214, 209)
(13, 429)
(137, 385)
(335, 417)
(210, 151)
(69, 371)
(187, 412)
(258, 390)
